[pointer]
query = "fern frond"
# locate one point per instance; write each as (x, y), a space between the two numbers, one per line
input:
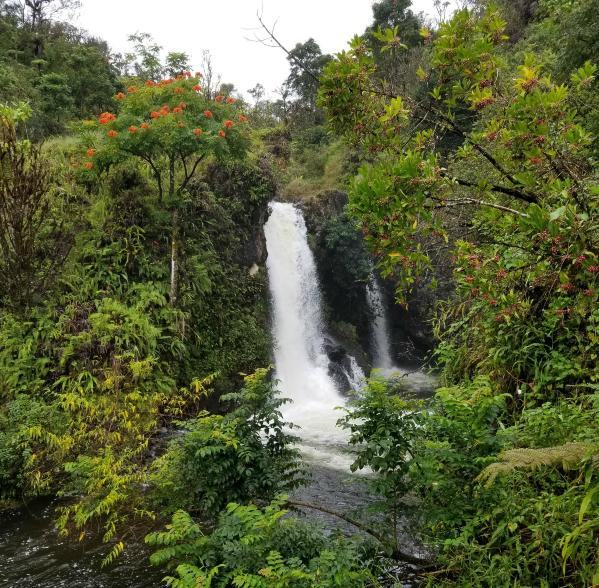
(566, 457)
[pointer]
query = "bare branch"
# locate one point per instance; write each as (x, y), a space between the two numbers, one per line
(397, 554)
(191, 173)
(462, 201)
(270, 32)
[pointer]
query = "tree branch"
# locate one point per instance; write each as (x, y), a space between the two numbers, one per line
(514, 192)
(494, 188)
(191, 173)
(277, 43)
(397, 553)
(462, 201)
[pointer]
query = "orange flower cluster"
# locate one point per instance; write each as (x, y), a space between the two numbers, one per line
(197, 88)
(197, 132)
(112, 134)
(91, 152)
(231, 100)
(242, 118)
(179, 90)
(207, 114)
(106, 117)
(228, 123)
(120, 96)
(222, 134)
(144, 125)
(132, 129)
(177, 110)
(131, 89)
(88, 165)
(219, 98)
(150, 83)
(162, 112)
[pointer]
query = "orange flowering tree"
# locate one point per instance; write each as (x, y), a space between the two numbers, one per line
(171, 126)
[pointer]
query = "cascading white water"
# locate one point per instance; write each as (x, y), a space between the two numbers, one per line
(380, 328)
(415, 380)
(297, 322)
(355, 375)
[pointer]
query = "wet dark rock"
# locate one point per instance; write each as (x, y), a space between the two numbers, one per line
(344, 288)
(336, 353)
(340, 367)
(325, 206)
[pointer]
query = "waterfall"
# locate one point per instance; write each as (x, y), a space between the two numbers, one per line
(413, 379)
(380, 327)
(301, 363)
(355, 375)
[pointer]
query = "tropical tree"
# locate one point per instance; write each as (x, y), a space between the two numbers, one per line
(37, 12)
(526, 151)
(491, 160)
(176, 63)
(171, 127)
(306, 63)
(28, 219)
(396, 14)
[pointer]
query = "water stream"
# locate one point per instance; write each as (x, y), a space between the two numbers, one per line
(380, 327)
(32, 555)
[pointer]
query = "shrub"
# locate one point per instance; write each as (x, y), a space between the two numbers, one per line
(243, 456)
(260, 548)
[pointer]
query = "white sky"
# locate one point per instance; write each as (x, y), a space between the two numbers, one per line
(223, 26)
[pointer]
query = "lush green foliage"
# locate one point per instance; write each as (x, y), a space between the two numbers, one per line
(244, 455)
(511, 443)
(530, 517)
(102, 360)
(253, 547)
(61, 71)
(382, 426)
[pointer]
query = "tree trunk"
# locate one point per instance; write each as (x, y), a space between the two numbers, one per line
(174, 234)
(175, 258)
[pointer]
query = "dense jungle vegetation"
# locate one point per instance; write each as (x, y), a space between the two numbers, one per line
(133, 300)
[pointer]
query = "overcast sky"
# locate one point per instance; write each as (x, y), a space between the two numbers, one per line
(223, 26)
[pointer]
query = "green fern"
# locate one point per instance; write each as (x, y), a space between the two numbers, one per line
(566, 457)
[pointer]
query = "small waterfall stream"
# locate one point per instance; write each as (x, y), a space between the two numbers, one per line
(414, 380)
(380, 327)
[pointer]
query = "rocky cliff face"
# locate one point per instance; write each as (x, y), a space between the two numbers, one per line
(248, 189)
(344, 268)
